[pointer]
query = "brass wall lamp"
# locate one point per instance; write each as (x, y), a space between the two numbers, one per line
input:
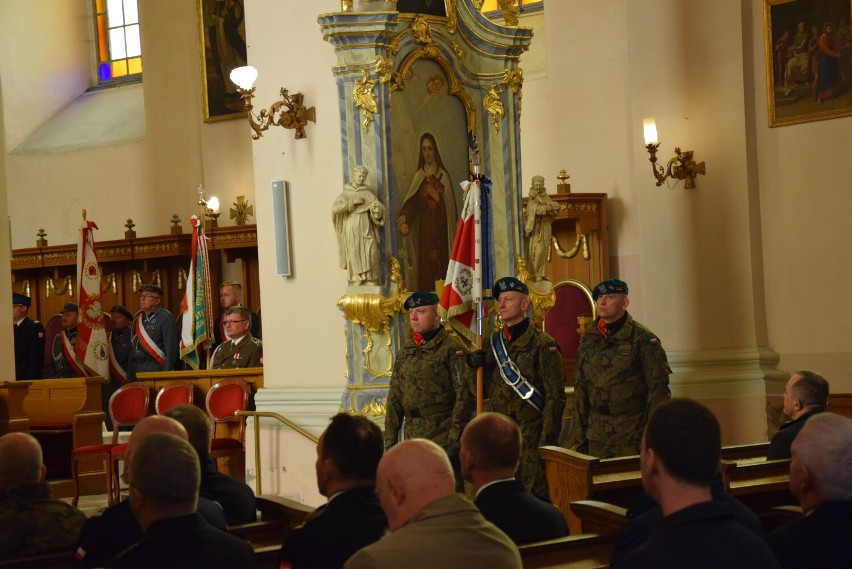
(289, 112)
(680, 167)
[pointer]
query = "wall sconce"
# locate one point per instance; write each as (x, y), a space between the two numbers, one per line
(212, 213)
(289, 110)
(681, 167)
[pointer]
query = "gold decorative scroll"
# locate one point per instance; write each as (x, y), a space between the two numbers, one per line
(384, 69)
(541, 302)
(421, 30)
(515, 81)
(67, 288)
(510, 13)
(581, 240)
(494, 106)
(365, 99)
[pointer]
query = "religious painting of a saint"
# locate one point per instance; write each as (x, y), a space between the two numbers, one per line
(808, 60)
(430, 160)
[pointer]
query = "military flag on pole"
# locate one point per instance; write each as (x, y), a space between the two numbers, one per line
(470, 261)
(92, 349)
(196, 311)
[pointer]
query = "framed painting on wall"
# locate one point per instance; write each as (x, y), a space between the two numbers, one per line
(222, 41)
(808, 60)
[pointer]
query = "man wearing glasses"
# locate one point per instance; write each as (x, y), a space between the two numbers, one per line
(155, 337)
(243, 349)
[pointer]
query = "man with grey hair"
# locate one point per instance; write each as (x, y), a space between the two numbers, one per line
(821, 480)
(805, 395)
(234, 496)
(164, 481)
(431, 525)
(31, 520)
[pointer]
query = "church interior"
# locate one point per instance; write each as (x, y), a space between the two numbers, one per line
(724, 272)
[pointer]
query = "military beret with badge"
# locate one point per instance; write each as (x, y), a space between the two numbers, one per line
(509, 284)
(609, 286)
(420, 298)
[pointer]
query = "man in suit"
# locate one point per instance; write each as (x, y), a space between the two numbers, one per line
(821, 480)
(679, 457)
(431, 525)
(108, 534)
(234, 496)
(805, 395)
(243, 349)
(490, 452)
(348, 454)
(164, 481)
(29, 340)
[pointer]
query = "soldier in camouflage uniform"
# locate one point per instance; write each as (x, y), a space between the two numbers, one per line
(539, 361)
(31, 520)
(430, 389)
(621, 375)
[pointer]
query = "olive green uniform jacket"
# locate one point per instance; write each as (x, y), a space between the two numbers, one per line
(431, 390)
(248, 353)
(617, 383)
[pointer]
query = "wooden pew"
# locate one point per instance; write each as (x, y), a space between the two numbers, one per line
(840, 403)
(574, 476)
(599, 517)
(64, 414)
(278, 516)
(12, 415)
(585, 551)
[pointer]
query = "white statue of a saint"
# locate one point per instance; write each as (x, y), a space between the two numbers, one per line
(357, 215)
(541, 211)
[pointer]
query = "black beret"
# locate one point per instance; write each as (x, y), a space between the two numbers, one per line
(121, 310)
(609, 286)
(69, 307)
(18, 298)
(421, 299)
(151, 288)
(507, 284)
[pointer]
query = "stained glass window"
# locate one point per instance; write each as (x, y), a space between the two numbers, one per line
(119, 51)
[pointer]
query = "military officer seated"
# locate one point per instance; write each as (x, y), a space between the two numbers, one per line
(243, 349)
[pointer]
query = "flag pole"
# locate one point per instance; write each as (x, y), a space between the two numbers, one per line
(477, 266)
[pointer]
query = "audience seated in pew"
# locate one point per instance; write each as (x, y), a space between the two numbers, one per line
(489, 455)
(31, 520)
(235, 496)
(821, 480)
(348, 455)
(164, 482)
(107, 535)
(431, 525)
(805, 395)
(679, 458)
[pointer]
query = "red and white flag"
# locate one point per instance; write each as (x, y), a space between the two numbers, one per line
(469, 263)
(92, 344)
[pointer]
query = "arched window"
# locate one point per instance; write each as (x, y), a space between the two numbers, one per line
(118, 49)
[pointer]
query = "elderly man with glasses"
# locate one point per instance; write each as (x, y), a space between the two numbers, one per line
(243, 349)
(154, 335)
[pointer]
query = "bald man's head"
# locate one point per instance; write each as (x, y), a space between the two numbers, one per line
(20, 460)
(148, 425)
(411, 475)
(490, 449)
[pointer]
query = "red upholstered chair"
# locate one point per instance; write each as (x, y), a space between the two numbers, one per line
(573, 301)
(223, 401)
(127, 406)
(173, 394)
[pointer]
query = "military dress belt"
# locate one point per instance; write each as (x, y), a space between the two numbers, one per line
(619, 408)
(512, 375)
(428, 411)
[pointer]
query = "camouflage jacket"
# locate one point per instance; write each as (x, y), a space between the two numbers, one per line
(33, 522)
(538, 358)
(617, 383)
(431, 390)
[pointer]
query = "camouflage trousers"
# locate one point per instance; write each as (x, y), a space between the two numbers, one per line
(601, 449)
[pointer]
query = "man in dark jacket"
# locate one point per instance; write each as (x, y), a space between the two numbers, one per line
(29, 340)
(805, 395)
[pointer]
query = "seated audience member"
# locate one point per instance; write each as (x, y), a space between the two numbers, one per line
(31, 520)
(490, 451)
(164, 483)
(242, 349)
(348, 454)
(645, 515)
(679, 458)
(431, 525)
(821, 480)
(235, 497)
(105, 536)
(806, 395)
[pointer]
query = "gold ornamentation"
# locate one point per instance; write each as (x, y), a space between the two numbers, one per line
(452, 20)
(494, 106)
(421, 30)
(241, 211)
(136, 279)
(515, 81)
(431, 51)
(181, 276)
(510, 12)
(541, 302)
(365, 99)
(110, 284)
(68, 287)
(478, 4)
(581, 240)
(374, 408)
(457, 49)
(384, 68)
